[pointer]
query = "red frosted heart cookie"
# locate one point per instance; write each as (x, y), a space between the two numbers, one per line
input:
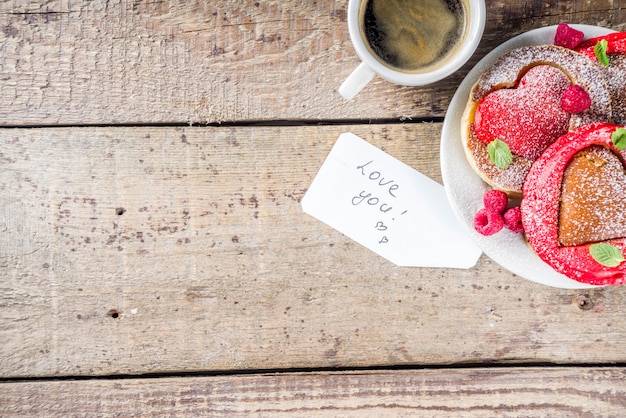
(551, 187)
(518, 101)
(528, 117)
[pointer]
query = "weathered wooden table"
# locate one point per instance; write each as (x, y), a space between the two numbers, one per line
(155, 259)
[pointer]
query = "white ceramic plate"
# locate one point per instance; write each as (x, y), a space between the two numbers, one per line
(465, 189)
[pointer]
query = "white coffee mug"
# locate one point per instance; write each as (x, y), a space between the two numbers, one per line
(371, 65)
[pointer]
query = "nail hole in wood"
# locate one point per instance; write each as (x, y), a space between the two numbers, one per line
(584, 302)
(120, 211)
(113, 313)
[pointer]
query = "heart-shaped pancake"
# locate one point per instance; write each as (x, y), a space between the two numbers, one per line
(535, 125)
(541, 204)
(593, 198)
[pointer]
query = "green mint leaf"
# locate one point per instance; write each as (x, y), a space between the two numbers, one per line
(619, 138)
(499, 153)
(606, 254)
(600, 49)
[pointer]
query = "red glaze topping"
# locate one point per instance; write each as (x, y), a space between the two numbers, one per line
(616, 44)
(541, 205)
(529, 117)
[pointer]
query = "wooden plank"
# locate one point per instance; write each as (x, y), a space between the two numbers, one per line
(93, 62)
(141, 250)
(511, 392)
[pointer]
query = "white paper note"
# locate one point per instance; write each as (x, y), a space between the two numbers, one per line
(388, 207)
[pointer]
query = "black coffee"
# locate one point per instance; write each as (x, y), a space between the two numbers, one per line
(411, 35)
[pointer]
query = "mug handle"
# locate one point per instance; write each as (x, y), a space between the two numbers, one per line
(355, 82)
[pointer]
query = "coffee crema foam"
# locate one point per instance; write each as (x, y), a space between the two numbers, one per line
(411, 35)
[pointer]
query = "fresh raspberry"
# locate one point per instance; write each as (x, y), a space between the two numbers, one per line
(513, 220)
(495, 200)
(575, 99)
(488, 222)
(567, 37)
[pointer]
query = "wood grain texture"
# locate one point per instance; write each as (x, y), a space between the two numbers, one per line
(136, 62)
(147, 250)
(559, 392)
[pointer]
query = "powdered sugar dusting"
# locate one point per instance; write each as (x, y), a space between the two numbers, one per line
(616, 77)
